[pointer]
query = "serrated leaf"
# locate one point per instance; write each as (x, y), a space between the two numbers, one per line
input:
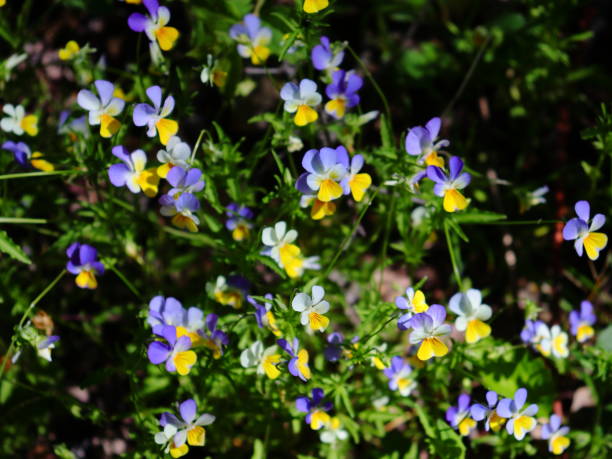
(8, 246)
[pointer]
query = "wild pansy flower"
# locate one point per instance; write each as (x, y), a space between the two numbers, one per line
(314, 6)
(238, 222)
(414, 302)
(17, 121)
(315, 408)
(83, 261)
(312, 309)
(342, 92)
(132, 172)
(520, 420)
(214, 339)
(448, 186)
(252, 38)
(471, 314)
(24, 156)
(175, 351)
(578, 229)
(300, 100)
(354, 182)
(556, 435)
(264, 315)
(102, 111)
(399, 376)
(324, 58)
(155, 117)
(44, 345)
(554, 341)
(335, 350)
(178, 433)
(212, 73)
(581, 323)
(319, 208)
(298, 365)
(73, 127)
(230, 291)
(493, 420)
(170, 311)
(325, 169)
(333, 431)
(181, 210)
(154, 25)
(427, 327)
(184, 181)
(69, 51)
(177, 153)
(421, 142)
(265, 360)
(279, 247)
(459, 416)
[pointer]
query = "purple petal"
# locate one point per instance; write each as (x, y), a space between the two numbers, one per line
(118, 174)
(211, 322)
(152, 6)
(436, 174)
(302, 404)
(320, 56)
(169, 333)
(491, 399)
(463, 402)
(285, 346)
(308, 159)
(573, 228)
(122, 153)
(520, 396)
(504, 408)
(142, 114)
(583, 210)
(437, 314)
(252, 24)
(455, 165)
(342, 156)
(413, 140)
(155, 94)
(105, 90)
(188, 410)
(451, 416)
(158, 352)
(478, 412)
(433, 126)
(137, 22)
(405, 321)
(175, 176)
(317, 395)
(87, 254)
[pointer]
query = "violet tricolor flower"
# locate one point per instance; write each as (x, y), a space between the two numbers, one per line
(181, 210)
(17, 121)
(520, 420)
(325, 170)
(155, 117)
(427, 327)
(175, 351)
(553, 340)
(312, 309)
(493, 420)
(421, 142)
(556, 435)
(214, 339)
(471, 314)
(414, 303)
(132, 172)
(448, 186)
(459, 416)
(176, 153)
(45, 344)
(581, 323)
(531, 332)
(354, 182)
(264, 315)
(300, 100)
(238, 222)
(583, 233)
(298, 365)
(324, 58)
(266, 360)
(154, 25)
(184, 181)
(229, 291)
(342, 92)
(399, 376)
(24, 156)
(170, 311)
(315, 408)
(252, 38)
(102, 110)
(178, 433)
(83, 261)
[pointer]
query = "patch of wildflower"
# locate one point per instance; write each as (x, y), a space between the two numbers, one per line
(556, 435)
(266, 360)
(400, 378)
(324, 57)
(264, 315)
(520, 420)
(427, 328)
(583, 233)
(447, 186)
(25, 158)
(238, 221)
(413, 303)
(581, 322)
(298, 364)
(459, 416)
(102, 110)
(279, 246)
(301, 100)
(312, 309)
(155, 116)
(176, 153)
(229, 291)
(479, 412)
(154, 25)
(315, 408)
(471, 314)
(83, 262)
(17, 122)
(342, 92)
(132, 172)
(253, 39)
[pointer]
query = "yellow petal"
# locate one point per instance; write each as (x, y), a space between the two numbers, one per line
(184, 222)
(418, 302)
(466, 426)
(454, 200)
(584, 332)
(148, 181)
(272, 324)
(329, 190)
(180, 451)
(432, 159)
(302, 363)
(240, 233)
(41, 164)
(430, 347)
(166, 128)
(166, 36)
(322, 209)
(593, 243)
(184, 361)
(163, 170)
(86, 279)
(319, 419)
(559, 444)
(108, 126)
(378, 363)
(318, 321)
(259, 54)
(496, 422)
(336, 106)
(219, 77)
(359, 184)
(269, 366)
(196, 436)
(523, 424)
(476, 330)
(29, 124)
(314, 6)
(305, 115)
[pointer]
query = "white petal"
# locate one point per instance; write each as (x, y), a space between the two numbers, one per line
(87, 100)
(300, 302)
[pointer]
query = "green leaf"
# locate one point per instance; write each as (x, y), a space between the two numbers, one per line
(443, 440)
(259, 450)
(8, 246)
(478, 216)
(604, 339)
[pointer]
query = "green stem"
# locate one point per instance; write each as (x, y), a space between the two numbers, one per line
(451, 251)
(197, 144)
(127, 283)
(36, 174)
(15, 220)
